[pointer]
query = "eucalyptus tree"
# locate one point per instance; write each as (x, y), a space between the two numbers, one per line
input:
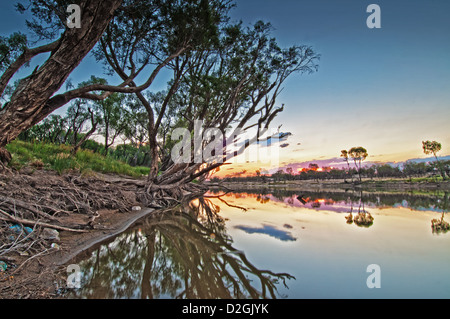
(358, 154)
(433, 147)
(225, 75)
(344, 155)
(51, 129)
(35, 96)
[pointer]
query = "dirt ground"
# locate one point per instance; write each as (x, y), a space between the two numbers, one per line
(92, 209)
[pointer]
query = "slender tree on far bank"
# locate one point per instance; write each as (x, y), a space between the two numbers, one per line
(344, 155)
(433, 147)
(358, 154)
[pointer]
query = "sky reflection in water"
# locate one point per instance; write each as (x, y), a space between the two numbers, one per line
(278, 244)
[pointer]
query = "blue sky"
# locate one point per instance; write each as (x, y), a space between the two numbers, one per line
(385, 89)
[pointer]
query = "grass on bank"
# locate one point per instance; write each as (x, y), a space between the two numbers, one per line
(58, 158)
(409, 180)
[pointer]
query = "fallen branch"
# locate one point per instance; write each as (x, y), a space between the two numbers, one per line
(217, 196)
(233, 206)
(24, 205)
(9, 217)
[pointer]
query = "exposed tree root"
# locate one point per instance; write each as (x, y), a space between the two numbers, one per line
(34, 203)
(33, 200)
(162, 196)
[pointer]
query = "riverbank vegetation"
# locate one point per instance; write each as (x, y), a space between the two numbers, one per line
(41, 155)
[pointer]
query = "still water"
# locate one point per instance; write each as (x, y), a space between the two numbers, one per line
(278, 244)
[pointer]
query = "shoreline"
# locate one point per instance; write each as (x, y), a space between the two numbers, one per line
(400, 185)
(42, 278)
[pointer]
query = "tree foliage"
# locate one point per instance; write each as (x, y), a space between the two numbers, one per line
(224, 74)
(433, 147)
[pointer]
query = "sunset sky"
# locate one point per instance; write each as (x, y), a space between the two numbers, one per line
(385, 89)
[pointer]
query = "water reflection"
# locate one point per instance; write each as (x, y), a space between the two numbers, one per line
(363, 218)
(439, 226)
(268, 230)
(437, 201)
(182, 253)
(189, 252)
(355, 203)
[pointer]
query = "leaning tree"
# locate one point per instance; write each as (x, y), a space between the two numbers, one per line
(231, 85)
(224, 75)
(34, 97)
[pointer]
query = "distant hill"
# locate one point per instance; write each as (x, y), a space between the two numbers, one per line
(429, 159)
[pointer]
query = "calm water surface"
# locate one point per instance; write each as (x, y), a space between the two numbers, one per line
(277, 244)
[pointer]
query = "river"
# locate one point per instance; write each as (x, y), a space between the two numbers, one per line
(276, 243)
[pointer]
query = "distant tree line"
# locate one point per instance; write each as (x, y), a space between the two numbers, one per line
(409, 170)
(358, 154)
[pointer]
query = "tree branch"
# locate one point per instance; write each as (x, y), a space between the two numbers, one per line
(25, 57)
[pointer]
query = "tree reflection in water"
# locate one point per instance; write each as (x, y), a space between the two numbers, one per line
(431, 201)
(439, 226)
(363, 218)
(181, 253)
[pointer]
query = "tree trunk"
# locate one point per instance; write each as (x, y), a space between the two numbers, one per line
(350, 171)
(5, 157)
(74, 150)
(29, 102)
(359, 172)
(146, 285)
(441, 169)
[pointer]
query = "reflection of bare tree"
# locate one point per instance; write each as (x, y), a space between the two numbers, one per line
(429, 200)
(181, 253)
